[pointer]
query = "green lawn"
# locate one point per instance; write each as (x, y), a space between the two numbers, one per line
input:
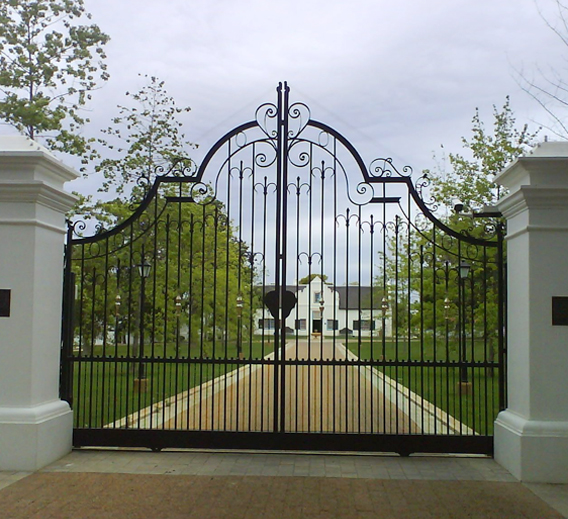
(476, 407)
(104, 383)
(104, 388)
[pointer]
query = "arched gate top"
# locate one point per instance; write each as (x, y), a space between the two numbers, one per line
(281, 129)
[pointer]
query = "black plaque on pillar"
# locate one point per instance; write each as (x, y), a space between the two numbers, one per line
(5, 296)
(560, 311)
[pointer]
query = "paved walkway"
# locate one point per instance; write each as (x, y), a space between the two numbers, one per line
(175, 484)
(318, 398)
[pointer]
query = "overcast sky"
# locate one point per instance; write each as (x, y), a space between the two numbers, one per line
(397, 78)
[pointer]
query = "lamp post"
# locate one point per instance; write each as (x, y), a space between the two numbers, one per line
(117, 303)
(384, 310)
(321, 315)
(463, 271)
(240, 304)
(177, 302)
(144, 270)
(447, 305)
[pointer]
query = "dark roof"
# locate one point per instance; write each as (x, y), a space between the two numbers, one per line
(291, 288)
(351, 297)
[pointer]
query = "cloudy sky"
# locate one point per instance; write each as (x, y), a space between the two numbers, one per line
(397, 78)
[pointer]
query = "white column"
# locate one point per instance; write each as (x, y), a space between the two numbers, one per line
(35, 425)
(531, 435)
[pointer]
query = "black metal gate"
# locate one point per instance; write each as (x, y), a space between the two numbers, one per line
(285, 296)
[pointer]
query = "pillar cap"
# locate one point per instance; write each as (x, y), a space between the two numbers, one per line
(545, 165)
(19, 153)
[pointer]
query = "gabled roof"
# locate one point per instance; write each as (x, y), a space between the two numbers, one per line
(351, 297)
(292, 288)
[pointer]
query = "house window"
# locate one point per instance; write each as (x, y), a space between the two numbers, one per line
(364, 325)
(266, 324)
(332, 324)
(300, 324)
(317, 297)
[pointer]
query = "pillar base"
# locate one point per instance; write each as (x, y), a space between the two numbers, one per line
(533, 451)
(33, 437)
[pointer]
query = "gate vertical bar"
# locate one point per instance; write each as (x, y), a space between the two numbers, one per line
(283, 129)
(501, 317)
(277, 273)
(66, 382)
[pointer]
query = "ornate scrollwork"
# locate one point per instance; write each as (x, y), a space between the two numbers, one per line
(446, 273)
(310, 257)
(422, 223)
(241, 139)
(323, 139)
(117, 242)
(322, 171)
(267, 118)
(472, 252)
(264, 186)
(363, 190)
(298, 119)
(298, 155)
(236, 171)
(94, 250)
(144, 182)
(422, 184)
(398, 226)
(100, 228)
(347, 217)
(384, 168)
(447, 243)
(199, 191)
(78, 227)
(254, 258)
(180, 167)
(265, 157)
(371, 223)
(297, 186)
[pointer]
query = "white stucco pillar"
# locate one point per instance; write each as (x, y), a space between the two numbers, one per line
(531, 436)
(35, 425)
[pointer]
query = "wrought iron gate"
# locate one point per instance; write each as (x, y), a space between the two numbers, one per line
(285, 296)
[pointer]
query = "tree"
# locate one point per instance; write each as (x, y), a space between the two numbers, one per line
(549, 88)
(470, 179)
(49, 65)
(143, 138)
(199, 267)
(429, 297)
(308, 279)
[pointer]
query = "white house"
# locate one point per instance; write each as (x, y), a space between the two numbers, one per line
(322, 307)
